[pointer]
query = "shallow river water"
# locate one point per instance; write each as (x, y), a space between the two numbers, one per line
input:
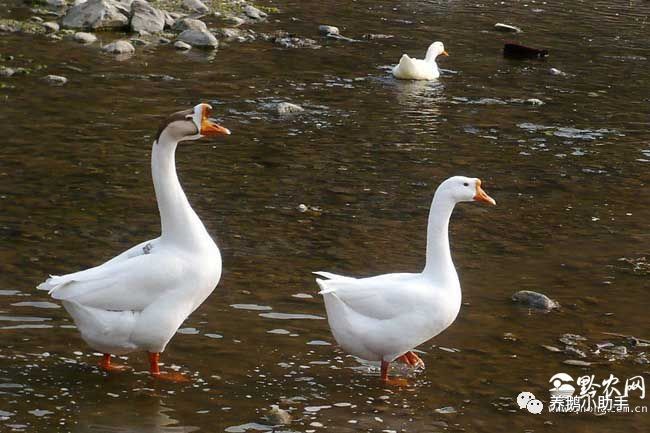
(570, 177)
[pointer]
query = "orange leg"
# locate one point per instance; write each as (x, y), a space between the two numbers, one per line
(154, 369)
(410, 358)
(106, 365)
(397, 381)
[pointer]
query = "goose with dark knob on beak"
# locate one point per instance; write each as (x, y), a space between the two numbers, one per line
(137, 300)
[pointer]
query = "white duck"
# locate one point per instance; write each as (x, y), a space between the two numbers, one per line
(137, 300)
(417, 69)
(383, 318)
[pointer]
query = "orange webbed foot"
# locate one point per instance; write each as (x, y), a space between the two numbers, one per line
(171, 376)
(400, 382)
(411, 359)
(108, 366)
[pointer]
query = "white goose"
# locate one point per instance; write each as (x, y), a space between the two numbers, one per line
(383, 318)
(417, 69)
(137, 300)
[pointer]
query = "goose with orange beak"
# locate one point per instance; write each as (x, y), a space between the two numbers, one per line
(384, 318)
(137, 300)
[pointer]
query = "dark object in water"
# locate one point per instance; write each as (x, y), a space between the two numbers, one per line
(516, 51)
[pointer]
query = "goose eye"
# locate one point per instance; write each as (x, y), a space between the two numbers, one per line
(466, 184)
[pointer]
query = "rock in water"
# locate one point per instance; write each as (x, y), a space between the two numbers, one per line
(146, 18)
(51, 26)
(189, 24)
(288, 108)
(516, 51)
(506, 28)
(84, 38)
(196, 6)
(96, 14)
(197, 38)
(277, 416)
(55, 80)
(328, 30)
(535, 300)
(119, 47)
(180, 45)
(253, 13)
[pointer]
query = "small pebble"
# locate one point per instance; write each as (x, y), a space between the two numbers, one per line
(55, 80)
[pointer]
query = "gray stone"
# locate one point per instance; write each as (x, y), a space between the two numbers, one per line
(373, 36)
(328, 30)
(96, 14)
(287, 40)
(201, 39)
(190, 24)
(6, 72)
(196, 6)
(554, 71)
(169, 20)
(51, 26)
(253, 13)
(119, 47)
(36, 19)
(235, 21)
(534, 101)
(506, 28)
(136, 42)
(55, 3)
(277, 416)
(535, 300)
(239, 35)
(284, 108)
(146, 18)
(180, 45)
(55, 80)
(84, 38)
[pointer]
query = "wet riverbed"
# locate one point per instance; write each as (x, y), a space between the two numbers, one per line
(570, 178)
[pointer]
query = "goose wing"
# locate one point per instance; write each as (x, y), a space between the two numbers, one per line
(129, 284)
(382, 297)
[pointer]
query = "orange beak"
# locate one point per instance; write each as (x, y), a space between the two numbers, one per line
(482, 195)
(445, 53)
(209, 127)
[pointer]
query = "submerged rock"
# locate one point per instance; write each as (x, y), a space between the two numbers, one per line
(287, 108)
(287, 40)
(506, 28)
(55, 80)
(119, 47)
(555, 71)
(97, 14)
(146, 18)
(373, 36)
(233, 34)
(198, 38)
(535, 300)
(534, 101)
(328, 30)
(277, 416)
(84, 38)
